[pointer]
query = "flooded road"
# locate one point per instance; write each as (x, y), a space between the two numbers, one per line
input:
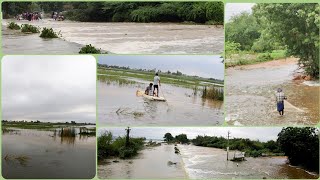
(250, 95)
(118, 105)
(152, 163)
(34, 154)
(208, 163)
(133, 38)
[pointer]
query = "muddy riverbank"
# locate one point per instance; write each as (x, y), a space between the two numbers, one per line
(42, 154)
(129, 38)
(250, 95)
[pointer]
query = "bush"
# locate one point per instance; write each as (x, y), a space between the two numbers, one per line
(89, 49)
(264, 57)
(48, 33)
(27, 28)
(14, 26)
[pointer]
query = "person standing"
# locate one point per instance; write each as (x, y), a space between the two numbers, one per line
(156, 84)
(280, 97)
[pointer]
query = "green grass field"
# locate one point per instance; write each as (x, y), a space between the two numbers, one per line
(39, 125)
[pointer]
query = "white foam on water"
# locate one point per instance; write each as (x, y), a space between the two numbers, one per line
(312, 83)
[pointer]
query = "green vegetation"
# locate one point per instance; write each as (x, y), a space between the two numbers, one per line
(48, 33)
(210, 88)
(27, 28)
(252, 148)
(301, 145)
(13, 26)
(266, 31)
(109, 146)
(181, 138)
(197, 12)
(89, 49)
(39, 125)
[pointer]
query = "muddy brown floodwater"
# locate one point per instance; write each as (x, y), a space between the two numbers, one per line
(152, 163)
(118, 105)
(250, 95)
(125, 38)
(36, 154)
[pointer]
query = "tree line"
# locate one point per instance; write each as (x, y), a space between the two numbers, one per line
(288, 26)
(197, 12)
(300, 145)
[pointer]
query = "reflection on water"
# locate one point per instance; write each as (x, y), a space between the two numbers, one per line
(48, 154)
(156, 162)
(207, 163)
(250, 98)
(118, 105)
(128, 38)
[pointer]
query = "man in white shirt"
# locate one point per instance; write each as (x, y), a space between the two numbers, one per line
(280, 97)
(156, 84)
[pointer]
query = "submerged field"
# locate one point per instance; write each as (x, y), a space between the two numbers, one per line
(47, 151)
(118, 103)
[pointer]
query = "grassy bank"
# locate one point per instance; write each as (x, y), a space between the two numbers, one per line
(246, 58)
(110, 146)
(205, 87)
(39, 125)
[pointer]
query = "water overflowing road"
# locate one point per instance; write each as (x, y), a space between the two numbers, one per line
(250, 95)
(34, 154)
(127, 38)
(208, 163)
(118, 105)
(151, 163)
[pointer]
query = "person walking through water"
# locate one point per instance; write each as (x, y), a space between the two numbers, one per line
(280, 97)
(156, 84)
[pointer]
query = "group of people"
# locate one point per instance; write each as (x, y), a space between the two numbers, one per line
(57, 16)
(34, 16)
(153, 88)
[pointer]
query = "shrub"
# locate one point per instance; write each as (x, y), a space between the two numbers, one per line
(89, 49)
(27, 28)
(264, 57)
(14, 26)
(48, 33)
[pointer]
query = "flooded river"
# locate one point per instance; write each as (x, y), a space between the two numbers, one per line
(34, 154)
(122, 38)
(250, 96)
(118, 105)
(151, 163)
(208, 163)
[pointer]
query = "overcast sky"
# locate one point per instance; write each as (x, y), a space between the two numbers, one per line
(203, 66)
(233, 9)
(49, 88)
(253, 133)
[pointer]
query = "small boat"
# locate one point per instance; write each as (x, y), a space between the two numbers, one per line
(154, 98)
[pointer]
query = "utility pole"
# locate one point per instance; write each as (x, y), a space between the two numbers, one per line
(127, 137)
(228, 146)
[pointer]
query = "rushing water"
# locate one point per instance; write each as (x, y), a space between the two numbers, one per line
(34, 154)
(151, 163)
(129, 38)
(250, 97)
(208, 163)
(118, 105)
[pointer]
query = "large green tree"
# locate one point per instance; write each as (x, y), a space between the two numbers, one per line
(168, 137)
(301, 145)
(297, 26)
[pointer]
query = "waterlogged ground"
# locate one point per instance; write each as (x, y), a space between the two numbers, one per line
(250, 95)
(33, 154)
(208, 163)
(126, 38)
(118, 105)
(151, 163)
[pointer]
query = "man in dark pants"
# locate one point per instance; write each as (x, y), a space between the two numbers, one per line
(156, 84)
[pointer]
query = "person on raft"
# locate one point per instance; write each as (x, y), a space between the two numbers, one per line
(148, 90)
(156, 84)
(280, 97)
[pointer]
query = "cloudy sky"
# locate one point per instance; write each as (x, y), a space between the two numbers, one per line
(200, 65)
(49, 88)
(262, 133)
(233, 9)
